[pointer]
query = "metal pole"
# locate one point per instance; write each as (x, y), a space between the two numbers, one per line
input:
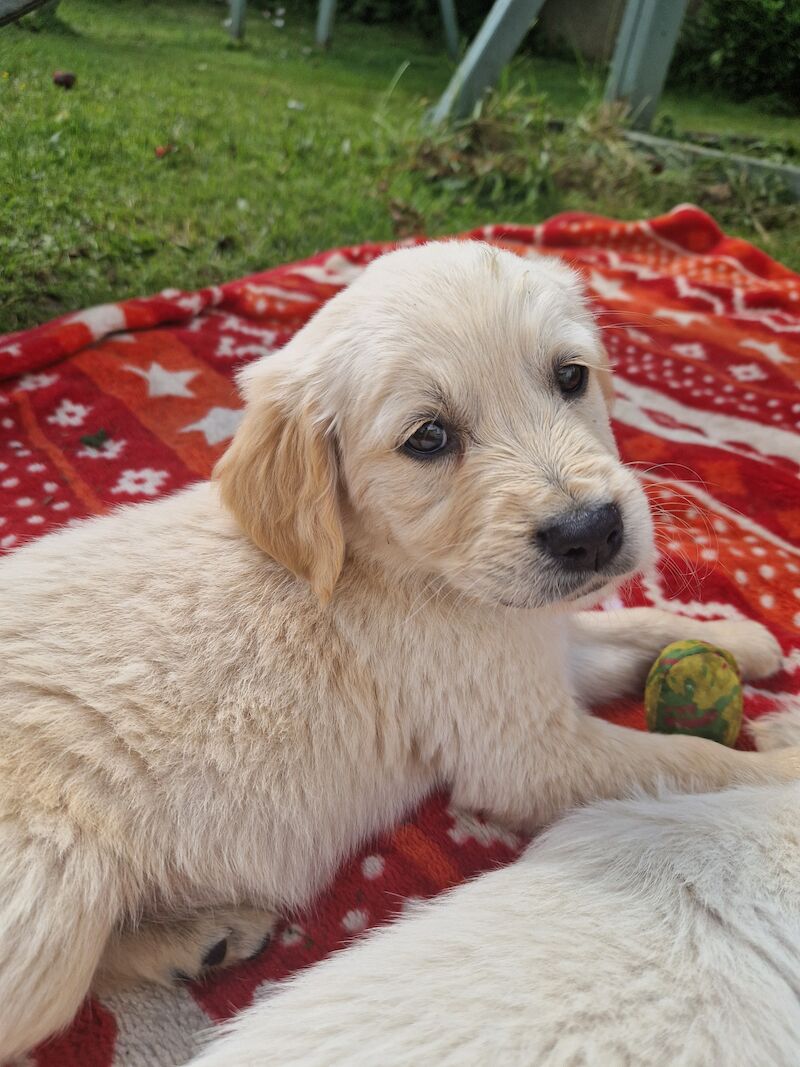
(325, 16)
(496, 42)
(646, 41)
(237, 12)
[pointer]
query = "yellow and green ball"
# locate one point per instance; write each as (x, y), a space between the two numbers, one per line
(695, 688)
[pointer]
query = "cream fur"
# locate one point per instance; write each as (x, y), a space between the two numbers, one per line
(638, 933)
(210, 700)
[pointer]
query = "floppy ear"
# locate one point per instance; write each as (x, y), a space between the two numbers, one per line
(279, 479)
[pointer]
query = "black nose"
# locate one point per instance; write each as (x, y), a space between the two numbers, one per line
(584, 540)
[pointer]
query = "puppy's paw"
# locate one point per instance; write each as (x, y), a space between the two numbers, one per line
(183, 950)
(753, 646)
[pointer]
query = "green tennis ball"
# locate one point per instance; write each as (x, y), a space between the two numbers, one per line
(695, 688)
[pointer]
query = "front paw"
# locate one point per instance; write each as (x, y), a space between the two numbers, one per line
(221, 939)
(183, 949)
(753, 647)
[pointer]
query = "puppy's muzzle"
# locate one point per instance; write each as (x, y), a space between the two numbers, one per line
(585, 540)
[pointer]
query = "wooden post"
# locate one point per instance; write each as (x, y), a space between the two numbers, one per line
(496, 42)
(646, 41)
(450, 23)
(325, 16)
(237, 12)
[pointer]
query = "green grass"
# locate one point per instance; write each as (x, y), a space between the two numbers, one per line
(88, 212)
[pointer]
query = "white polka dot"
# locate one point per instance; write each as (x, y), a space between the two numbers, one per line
(355, 920)
(50, 487)
(767, 600)
(372, 866)
(61, 505)
(35, 468)
(35, 520)
(766, 571)
(10, 483)
(7, 424)
(708, 553)
(24, 501)
(759, 551)
(792, 567)
(741, 577)
(8, 541)
(773, 403)
(796, 618)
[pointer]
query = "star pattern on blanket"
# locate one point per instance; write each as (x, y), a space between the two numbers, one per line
(163, 382)
(218, 424)
(771, 349)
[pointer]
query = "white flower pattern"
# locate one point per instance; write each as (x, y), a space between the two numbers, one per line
(69, 413)
(112, 448)
(144, 482)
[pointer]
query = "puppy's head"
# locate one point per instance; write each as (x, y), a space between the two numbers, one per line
(448, 415)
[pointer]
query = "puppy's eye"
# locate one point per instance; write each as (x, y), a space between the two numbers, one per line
(572, 379)
(428, 440)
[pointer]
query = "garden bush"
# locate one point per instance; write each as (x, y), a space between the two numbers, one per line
(749, 49)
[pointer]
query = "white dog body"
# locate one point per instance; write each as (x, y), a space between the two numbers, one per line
(211, 699)
(654, 933)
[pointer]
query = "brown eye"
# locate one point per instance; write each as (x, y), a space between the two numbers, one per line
(572, 379)
(430, 439)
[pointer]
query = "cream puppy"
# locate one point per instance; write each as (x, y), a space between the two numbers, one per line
(208, 701)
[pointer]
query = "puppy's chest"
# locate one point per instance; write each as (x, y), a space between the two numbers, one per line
(455, 674)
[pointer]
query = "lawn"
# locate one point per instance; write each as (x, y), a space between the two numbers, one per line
(274, 151)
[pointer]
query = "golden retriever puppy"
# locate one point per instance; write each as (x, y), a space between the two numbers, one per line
(208, 701)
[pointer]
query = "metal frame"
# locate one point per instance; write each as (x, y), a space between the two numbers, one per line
(645, 43)
(11, 10)
(237, 13)
(495, 44)
(647, 38)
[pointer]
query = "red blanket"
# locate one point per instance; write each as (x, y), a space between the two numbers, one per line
(129, 401)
